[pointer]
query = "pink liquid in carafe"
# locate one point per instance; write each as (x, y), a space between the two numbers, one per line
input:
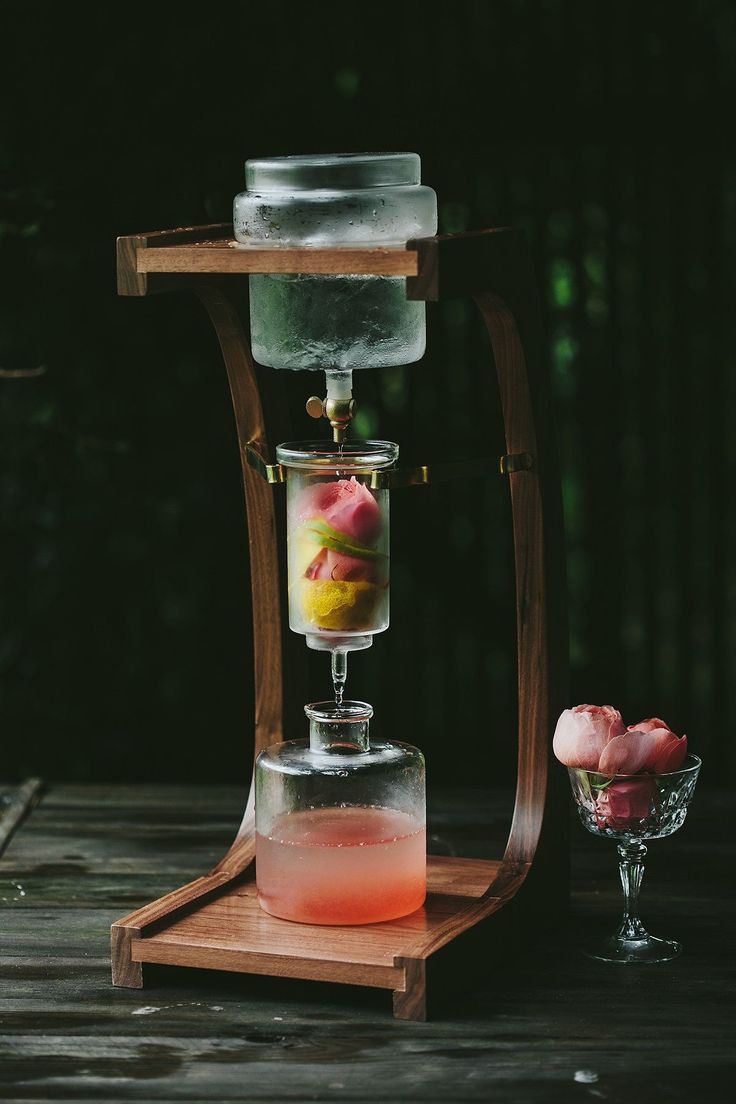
(342, 865)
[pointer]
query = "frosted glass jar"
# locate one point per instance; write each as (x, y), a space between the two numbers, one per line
(346, 199)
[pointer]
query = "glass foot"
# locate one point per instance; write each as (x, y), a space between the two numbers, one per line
(647, 949)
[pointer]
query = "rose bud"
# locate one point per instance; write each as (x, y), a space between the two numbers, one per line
(583, 732)
(644, 748)
(670, 750)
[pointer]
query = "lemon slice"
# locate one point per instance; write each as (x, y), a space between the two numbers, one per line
(340, 606)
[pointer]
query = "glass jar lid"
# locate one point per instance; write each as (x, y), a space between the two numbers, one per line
(352, 456)
(331, 171)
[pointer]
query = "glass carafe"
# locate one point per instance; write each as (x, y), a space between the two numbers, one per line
(340, 823)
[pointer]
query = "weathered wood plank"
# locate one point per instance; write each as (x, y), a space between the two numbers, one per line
(64, 887)
(15, 804)
(341, 1068)
(520, 1035)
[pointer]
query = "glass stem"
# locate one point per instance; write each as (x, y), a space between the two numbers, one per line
(339, 673)
(631, 869)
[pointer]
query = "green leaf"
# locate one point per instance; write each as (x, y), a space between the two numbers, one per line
(323, 534)
(600, 781)
(591, 780)
(584, 781)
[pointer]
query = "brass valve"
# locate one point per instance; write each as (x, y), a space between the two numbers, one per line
(340, 413)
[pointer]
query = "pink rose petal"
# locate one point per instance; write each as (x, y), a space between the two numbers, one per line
(629, 753)
(648, 725)
(346, 505)
(670, 749)
(350, 568)
(318, 568)
(583, 732)
(328, 564)
(623, 805)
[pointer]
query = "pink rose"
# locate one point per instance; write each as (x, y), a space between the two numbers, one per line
(328, 564)
(346, 505)
(593, 737)
(623, 805)
(669, 751)
(583, 732)
(353, 569)
(650, 746)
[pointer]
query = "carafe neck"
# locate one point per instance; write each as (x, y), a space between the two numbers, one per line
(339, 729)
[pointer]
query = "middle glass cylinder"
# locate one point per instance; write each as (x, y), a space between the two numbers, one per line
(338, 541)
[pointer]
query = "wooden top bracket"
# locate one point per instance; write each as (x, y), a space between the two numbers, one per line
(147, 262)
(212, 249)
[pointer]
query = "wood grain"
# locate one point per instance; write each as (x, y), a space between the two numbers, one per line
(206, 258)
(210, 956)
(131, 280)
(232, 920)
(127, 972)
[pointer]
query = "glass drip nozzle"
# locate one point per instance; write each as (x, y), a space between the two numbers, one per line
(339, 663)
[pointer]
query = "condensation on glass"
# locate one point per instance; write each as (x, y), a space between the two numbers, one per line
(357, 200)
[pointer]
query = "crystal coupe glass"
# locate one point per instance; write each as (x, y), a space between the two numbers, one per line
(631, 809)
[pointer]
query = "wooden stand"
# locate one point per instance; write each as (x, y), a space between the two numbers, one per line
(215, 921)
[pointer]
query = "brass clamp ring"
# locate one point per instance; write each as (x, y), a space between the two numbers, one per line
(419, 476)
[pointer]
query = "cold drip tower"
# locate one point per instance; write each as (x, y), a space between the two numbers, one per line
(340, 818)
(327, 267)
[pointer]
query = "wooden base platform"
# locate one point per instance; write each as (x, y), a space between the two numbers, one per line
(228, 930)
(233, 932)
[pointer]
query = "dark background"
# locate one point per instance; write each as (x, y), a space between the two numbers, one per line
(606, 130)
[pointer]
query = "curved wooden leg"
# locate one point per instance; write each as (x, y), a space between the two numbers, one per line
(540, 807)
(264, 568)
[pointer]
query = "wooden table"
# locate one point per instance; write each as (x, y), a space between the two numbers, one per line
(550, 1025)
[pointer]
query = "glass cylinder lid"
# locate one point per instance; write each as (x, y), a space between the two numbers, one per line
(323, 457)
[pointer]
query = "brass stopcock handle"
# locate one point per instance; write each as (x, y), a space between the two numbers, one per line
(339, 412)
